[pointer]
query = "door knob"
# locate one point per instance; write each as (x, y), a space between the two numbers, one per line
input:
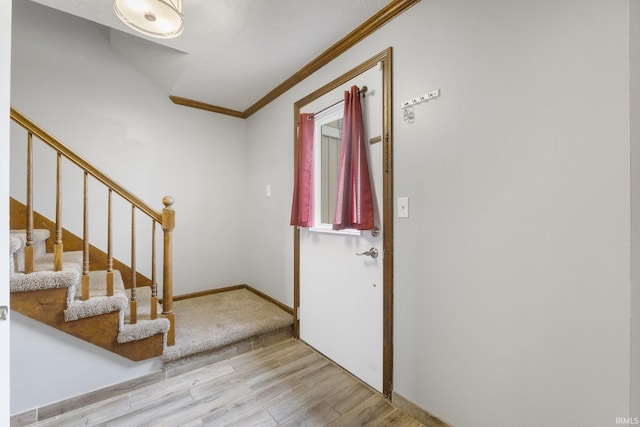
(373, 253)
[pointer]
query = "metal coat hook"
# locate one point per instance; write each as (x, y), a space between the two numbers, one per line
(4, 311)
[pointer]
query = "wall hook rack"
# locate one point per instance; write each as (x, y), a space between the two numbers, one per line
(421, 98)
(406, 105)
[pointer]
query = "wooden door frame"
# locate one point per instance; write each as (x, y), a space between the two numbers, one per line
(385, 59)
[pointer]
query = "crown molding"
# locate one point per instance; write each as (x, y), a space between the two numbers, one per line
(384, 15)
(204, 106)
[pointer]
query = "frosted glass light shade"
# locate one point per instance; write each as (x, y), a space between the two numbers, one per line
(154, 18)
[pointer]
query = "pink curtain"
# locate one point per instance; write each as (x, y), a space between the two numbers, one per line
(302, 206)
(354, 207)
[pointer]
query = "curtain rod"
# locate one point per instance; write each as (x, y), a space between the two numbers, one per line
(362, 92)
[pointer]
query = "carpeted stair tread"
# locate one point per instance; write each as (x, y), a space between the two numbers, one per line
(98, 302)
(214, 321)
(44, 279)
(143, 329)
(98, 284)
(143, 297)
(14, 244)
(145, 326)
(43, 276)
(40, 237)
(72, 259)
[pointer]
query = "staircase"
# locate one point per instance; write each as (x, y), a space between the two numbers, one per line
(59, 279)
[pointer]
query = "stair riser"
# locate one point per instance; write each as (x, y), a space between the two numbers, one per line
(47, 306)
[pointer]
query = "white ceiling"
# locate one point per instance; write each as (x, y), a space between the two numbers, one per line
(232, 52)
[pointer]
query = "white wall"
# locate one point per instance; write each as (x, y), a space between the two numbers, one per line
(70, 365)
(5, 60)
(68, 78)
(519, 179)
(269, 235)
(634, 13)
(512, 273)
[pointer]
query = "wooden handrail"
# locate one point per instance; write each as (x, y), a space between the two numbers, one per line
(54, 143)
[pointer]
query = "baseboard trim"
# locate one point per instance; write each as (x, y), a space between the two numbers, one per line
(270, 299)
(420, 414)
(54, 409)
(234, 288)
(208, 292)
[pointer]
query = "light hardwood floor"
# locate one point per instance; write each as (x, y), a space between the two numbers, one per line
(285, 384)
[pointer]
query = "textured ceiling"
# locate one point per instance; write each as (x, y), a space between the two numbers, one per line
(232, 52)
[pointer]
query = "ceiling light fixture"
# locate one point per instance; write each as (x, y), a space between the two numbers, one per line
(154, 18)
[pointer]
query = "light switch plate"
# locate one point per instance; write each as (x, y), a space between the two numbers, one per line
(403, 207)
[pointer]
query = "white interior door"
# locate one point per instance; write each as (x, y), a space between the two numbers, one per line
(341, 293)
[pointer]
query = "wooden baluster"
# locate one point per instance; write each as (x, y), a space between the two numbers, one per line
(133, 315)
(109, 248)
(57, 247)
(168, 224)
(28, 249)
(154, 282)
(85, 241)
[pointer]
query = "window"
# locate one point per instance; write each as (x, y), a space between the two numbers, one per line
(326, 146)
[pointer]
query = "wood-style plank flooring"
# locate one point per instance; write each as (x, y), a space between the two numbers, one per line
(286, 384)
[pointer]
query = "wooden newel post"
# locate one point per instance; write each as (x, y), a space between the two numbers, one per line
(168, 224)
